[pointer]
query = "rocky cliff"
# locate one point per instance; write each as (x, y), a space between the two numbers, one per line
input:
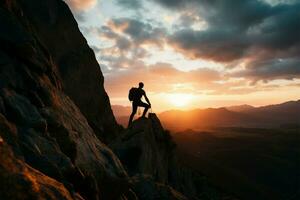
(56, 29)
(148, 154)
(55, 120)
(47, 131)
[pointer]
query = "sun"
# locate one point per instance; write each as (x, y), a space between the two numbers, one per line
(180, 99)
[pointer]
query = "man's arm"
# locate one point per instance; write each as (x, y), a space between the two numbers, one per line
(147, 99)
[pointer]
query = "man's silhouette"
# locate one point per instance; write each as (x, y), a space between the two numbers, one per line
(137, 102)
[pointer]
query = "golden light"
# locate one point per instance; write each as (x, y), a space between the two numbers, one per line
(180, 99)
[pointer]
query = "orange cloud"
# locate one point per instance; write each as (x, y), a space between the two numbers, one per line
(81, 5)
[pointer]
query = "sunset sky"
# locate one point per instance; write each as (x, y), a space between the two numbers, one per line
(195, 53)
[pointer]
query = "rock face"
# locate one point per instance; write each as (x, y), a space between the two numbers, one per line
(47, 133)
(20, 181)
(80, 72)
(148, 153)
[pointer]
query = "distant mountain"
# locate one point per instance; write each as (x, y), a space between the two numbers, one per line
(286, 114)
(279, 115)
(121, 111)
(202, 118)
(240, 108)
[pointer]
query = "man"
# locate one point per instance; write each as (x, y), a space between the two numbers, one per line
(135, 95)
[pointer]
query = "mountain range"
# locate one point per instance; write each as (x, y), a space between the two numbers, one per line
(285, 114)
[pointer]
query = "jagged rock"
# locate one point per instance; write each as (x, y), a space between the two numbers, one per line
(149, 155)
(20, 181)
(46, 131)
(146, 148)
(80, 72)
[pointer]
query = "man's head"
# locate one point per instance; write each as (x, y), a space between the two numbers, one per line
(141, 85)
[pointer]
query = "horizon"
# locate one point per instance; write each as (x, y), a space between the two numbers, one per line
(195, 54)
(218, 107)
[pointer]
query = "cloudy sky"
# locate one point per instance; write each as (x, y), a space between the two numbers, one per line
(195, 53)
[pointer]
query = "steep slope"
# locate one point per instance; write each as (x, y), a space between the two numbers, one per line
(149, 155)
(81, 75)
(49, 136)
(20, 181)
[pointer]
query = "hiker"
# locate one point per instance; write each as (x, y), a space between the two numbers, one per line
(135, 95)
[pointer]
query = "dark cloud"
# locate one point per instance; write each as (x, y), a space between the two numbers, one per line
(130, 4)
(138, 31)
(272, 69)
(129, 37)
(232, 35)
(212, 44)
(250, 31)
(174, 4)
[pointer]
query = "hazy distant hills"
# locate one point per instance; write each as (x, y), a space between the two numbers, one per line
(286, 114)
(240, 108)
(201, 118)
(121, 111)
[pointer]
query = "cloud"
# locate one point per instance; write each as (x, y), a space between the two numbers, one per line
(217, 45)
(81, 5)
(258, 41)
(130, 4)
(267, 70)
(139, 32)
(263, 36)
(162, 78)
(174, 4)
(129, 40)
(233, 35)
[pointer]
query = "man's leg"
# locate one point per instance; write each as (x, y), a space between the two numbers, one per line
(146, 106)
(134, 109)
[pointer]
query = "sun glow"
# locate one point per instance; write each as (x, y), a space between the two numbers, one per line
(180, 99)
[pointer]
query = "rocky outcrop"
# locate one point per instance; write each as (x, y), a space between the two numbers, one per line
(47, 133)
(148, 153)
(20, 181)
(81, 75)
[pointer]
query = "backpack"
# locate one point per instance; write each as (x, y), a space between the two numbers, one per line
(132, 93)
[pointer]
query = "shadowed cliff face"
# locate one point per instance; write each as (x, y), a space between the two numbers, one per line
(20, 181)
(81, 75)
(46, 131)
